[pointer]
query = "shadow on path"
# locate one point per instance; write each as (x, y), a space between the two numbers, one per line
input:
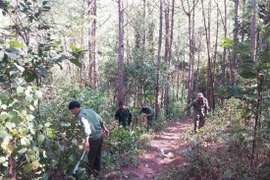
(162, 153)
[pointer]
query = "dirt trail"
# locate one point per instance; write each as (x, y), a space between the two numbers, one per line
(153, 162)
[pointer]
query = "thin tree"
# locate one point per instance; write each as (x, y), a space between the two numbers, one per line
(253, 40)
(191, 24)
(167, 50)
(92, 45)
(235, 39)
(121, 88)
(168, 54)
(159, 57)
(224, 56)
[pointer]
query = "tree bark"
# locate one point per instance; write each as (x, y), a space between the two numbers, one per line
(235, 39)
(121, 88)
(159, 58)
(167, 51)
(191, 24)
(253, 39)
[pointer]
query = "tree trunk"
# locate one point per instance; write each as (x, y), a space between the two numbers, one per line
(167, 49)
(243, 23)
(207, 27)
(253, 30)
(121, 88)
(224, 58)
(253, 39)
(235, 39)
(92, 45)
(82, 55)
(191, 24)
(159, 58)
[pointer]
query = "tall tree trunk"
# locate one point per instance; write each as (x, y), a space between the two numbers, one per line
(224, 58)
(82, 43)
(167, 49)
(243, 22)
(214, 65)
(92, 45)
(121, 88)
(159, 58)
(169, 40)
(253, 30)
(235, 38)
(207, 27)
(253, 39)
(170, 52)
(191, 23)
(144, 20)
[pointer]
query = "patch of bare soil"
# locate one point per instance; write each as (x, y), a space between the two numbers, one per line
(163, 152)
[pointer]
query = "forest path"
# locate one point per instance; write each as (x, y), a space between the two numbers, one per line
(152, 162)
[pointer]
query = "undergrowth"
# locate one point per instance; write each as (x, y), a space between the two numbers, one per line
(222, 150)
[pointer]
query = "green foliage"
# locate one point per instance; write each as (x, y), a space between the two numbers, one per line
(220, 149)
(27, 135)
(121, 148)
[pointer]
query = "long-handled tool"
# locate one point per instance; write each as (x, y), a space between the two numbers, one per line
(77, 165)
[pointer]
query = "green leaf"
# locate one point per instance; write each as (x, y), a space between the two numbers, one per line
(44, 3)
(20, 90)
(77, 49)
(227, 42)
(11, 55)
(76, 62)
(2, 55)
(28, 167)
(47, 124)
(45, 176)
(9, 125)
(16, 44)
(29, 75)
(38, 94)
(3, 116)
(23, 150)
(30, 117)
(65, 124)
(12, 114)
(19, 67)
(61, 58)
(3, 134)
(2, 159)
(41, 138)
(25, 141)
(247, 74)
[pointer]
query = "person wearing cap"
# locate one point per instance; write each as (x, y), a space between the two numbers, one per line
(123, 115)
(94, 128)
(201, 109)
(148, 113)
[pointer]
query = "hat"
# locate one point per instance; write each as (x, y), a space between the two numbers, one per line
(121, 103)
(200, 95)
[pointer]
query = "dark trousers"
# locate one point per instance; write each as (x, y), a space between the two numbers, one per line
(199, 121)
(149, 121)
(94, 156)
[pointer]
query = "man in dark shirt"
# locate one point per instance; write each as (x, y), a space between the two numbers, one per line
(123, 115)
(201, 109)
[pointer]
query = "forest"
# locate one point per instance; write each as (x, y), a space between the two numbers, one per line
(155, 52)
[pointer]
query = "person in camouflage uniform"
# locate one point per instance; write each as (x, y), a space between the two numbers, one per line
(148, 113)
(201, 110)
(123, 115)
